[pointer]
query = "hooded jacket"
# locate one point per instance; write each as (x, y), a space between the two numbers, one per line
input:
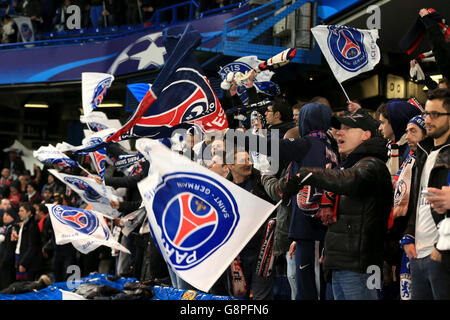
(363, 183)
(314, 121)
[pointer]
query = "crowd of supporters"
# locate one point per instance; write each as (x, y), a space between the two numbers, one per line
(359, 193)
(58, 15)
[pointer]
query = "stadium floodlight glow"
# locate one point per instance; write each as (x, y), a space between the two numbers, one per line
(36, 105)
(110, 105)
(436, 78)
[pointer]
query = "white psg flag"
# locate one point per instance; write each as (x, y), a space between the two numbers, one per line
(93, 89)
(91, 192)
(85, 229)
(348, 51)
(199, 220)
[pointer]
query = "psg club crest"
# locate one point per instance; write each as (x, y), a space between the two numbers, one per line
(100, 92)
(89, 192)
(83, 221)
(346, 46)
(197, 216)
(192, 97)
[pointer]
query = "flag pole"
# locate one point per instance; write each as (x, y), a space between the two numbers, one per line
(346, 95)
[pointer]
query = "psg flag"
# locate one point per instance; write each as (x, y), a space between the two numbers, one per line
(180, 96)
(199, 220)
(348, 51)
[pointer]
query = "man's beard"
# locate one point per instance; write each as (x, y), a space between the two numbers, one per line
(439, 132)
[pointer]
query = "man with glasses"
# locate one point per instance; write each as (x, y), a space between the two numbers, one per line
(428, 277)
(278, 116)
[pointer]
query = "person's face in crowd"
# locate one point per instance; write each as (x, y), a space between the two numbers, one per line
(413, 135)
(7, 219)
(218, 166)
(5, 173)
(295, 114)
(217, 146)
(47, 194)
(5, 205)
(442, 85)
(242, 166)
(437, 126)
(13, 190)
(39, 214)
(348, 139)
(386, 128)
(50, 179)
(23, 214)
(272, 117)
(22, 179)
(30, 189)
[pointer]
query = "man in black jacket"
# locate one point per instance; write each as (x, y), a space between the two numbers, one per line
(244, 175)
(431, 169)
(353, 247)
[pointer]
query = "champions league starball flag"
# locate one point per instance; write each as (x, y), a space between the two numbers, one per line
(200, 221)
(91, 192)
(85, 229)
(348, 51)
(180, 96)
(51, 155)
(93, 89)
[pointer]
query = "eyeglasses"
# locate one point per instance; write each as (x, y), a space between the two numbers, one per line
(435, 114)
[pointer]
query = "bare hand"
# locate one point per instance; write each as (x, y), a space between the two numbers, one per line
(97, 179)
(440, 201)
(292, 249)
(22, 269)
(423, 12)
(410, 250)
(114, 204)
(436, 255)
(352, 107)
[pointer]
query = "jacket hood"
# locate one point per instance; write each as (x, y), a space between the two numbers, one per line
(399, 114)
(375, 147)
(313, 117)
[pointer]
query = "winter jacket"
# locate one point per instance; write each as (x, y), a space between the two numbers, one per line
(133, 199)
(30, 255)
(273, 186)
(438, 178)
(356, 240)
(7, 257)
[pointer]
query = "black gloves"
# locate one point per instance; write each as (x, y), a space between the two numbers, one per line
(293, 186)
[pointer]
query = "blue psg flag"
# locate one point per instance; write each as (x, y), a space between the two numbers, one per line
(180, 97)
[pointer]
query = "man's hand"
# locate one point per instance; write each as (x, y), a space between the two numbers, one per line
(410, 250)
(114, 204)
(436, 255)
(423, 12)
(440, 201)
(22, 269)
(97, 179)
(352, 106)
(292, 249)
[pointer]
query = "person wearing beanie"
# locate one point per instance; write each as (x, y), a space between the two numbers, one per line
(7, 248)
(415, 132)
(394, 116)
